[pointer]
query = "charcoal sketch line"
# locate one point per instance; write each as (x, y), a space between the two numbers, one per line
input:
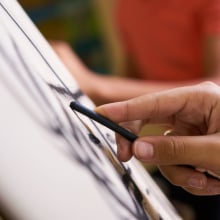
(55, 125)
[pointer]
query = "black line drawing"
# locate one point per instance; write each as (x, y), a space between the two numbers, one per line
(94, 150)
(52, 123)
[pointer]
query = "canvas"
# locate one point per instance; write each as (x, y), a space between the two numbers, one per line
(55, 163)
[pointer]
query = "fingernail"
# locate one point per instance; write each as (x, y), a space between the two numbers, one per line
(143, 150)
(196, 183)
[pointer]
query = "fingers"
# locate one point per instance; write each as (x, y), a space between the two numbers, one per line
(168, 154)
(124, 152)
(191, 180)
(199, 151)
(163, 107)
(161, 104)
(184, 176)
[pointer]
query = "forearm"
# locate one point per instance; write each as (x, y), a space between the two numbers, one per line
(110, 89)
(104, 89)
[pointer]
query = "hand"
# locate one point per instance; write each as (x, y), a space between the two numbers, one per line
(193, 114)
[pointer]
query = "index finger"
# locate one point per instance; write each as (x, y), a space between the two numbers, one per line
(149, 106)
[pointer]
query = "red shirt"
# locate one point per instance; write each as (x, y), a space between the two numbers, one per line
(164, 38)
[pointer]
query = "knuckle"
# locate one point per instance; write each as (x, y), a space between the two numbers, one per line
(209, 87)
(208, 84)
(171, 150)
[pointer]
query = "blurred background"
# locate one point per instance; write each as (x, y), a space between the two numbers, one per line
(77, 22)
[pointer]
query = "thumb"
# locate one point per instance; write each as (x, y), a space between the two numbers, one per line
(201, 151)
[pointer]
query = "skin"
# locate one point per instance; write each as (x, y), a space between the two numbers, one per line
(192, 112)
(103, 89)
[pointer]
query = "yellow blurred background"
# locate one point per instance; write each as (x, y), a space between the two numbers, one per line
(74, 21)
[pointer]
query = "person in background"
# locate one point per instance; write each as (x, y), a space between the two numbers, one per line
(164, 44)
